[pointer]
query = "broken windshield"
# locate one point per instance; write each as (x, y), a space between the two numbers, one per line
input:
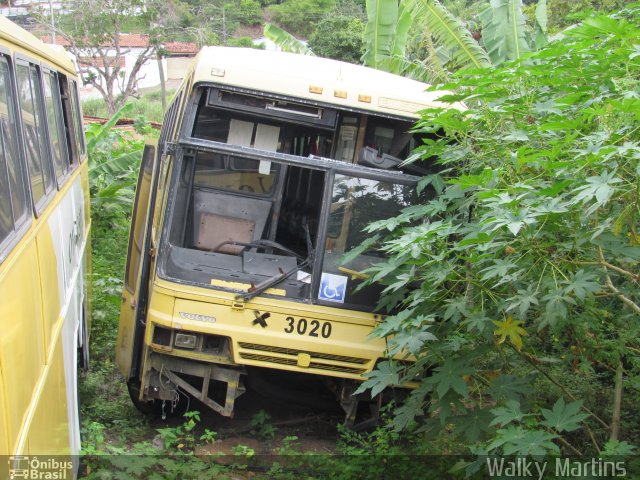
(355, 203)
(235, 224)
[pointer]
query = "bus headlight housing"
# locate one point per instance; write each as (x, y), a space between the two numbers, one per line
(185, 340)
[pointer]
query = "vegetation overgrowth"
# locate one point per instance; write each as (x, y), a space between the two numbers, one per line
(145, 107)
(515, 286)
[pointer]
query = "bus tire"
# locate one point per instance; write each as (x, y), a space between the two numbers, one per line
(148, 408)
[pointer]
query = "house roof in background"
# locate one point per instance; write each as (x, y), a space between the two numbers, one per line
(181, 47)
(127, 40)
(136, 40)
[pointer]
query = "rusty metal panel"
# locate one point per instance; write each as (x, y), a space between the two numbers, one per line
(216, 229)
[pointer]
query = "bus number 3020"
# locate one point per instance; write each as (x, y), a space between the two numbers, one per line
(313, 328)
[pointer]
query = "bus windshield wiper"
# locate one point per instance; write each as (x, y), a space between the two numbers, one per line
(256, 290)
(262, 286)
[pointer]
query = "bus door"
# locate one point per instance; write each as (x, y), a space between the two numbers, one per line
(134, 292)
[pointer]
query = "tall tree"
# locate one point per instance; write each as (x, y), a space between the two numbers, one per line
(92, 31)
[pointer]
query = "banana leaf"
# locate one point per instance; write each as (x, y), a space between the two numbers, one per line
(284, 40)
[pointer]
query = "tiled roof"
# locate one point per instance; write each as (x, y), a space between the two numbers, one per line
(99, 62)
(128, 40)
(136, 40)
(180, 47)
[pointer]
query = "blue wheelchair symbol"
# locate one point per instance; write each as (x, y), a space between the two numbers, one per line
(332, 287)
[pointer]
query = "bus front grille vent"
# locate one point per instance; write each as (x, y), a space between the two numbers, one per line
(289, 356)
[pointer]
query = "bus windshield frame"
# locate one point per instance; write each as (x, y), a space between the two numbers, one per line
(325, 287)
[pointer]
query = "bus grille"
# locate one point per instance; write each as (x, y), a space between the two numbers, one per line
(289, 356)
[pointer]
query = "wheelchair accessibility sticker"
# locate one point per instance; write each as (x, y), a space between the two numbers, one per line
(332, 287)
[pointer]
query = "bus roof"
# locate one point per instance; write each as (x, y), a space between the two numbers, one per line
(315, 79)
(12, 33)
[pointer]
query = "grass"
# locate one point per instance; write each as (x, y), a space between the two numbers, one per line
(148, 106)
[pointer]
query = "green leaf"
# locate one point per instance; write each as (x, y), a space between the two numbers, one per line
(516, 440)
(504, 30)
(540, 25)
(617, 448)
(508, 413)
(385, 375)
(410, 340)
(286, 41)
(380, 32)
(449, 376)
(522, 301)
(564, 418)
(449, 32)
(399, 43)
(582, 284)
(101, 132)
(499, 268)
(473, 424)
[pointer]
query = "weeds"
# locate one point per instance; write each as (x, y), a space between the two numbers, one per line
(261, 427)
(147, 106)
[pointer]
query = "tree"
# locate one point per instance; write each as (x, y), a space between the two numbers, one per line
(299, 16)
(338, 37)
(214, 22)
(449, 44)
(93, 31)
(516, 287)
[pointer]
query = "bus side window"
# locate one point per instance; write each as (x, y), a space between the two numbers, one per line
(138, 221)
(67, 119)
(31, 106)
(77, 117)
(169, 123)
(13, 200)
(53, 105)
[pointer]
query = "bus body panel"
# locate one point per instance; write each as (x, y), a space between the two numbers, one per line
(51, 412)
(45, 290)
(305, 331)
(4, 444)
(21, 342)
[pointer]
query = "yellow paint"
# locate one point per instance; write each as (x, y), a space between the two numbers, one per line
(245, 287)
(4, 444)
(51, 411)
(49, 278)
(353, 273)
(33, 403)
(21, 338)
(304, 360)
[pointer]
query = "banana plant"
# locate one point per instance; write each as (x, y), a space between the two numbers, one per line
(448, 33)
(451, 45)
(286, 41)
(504, 36)
(114, 157)
(504, 31)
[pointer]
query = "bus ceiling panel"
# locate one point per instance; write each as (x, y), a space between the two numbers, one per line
(365, 109)
(310, 162)
(267, 107)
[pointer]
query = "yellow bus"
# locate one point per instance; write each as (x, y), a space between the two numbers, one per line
(268, 167)
(44, 254)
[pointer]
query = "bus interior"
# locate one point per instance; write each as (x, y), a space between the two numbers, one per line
(273, 193)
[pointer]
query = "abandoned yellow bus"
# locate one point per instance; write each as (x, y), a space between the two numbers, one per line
(268, 167)
(44, 254)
